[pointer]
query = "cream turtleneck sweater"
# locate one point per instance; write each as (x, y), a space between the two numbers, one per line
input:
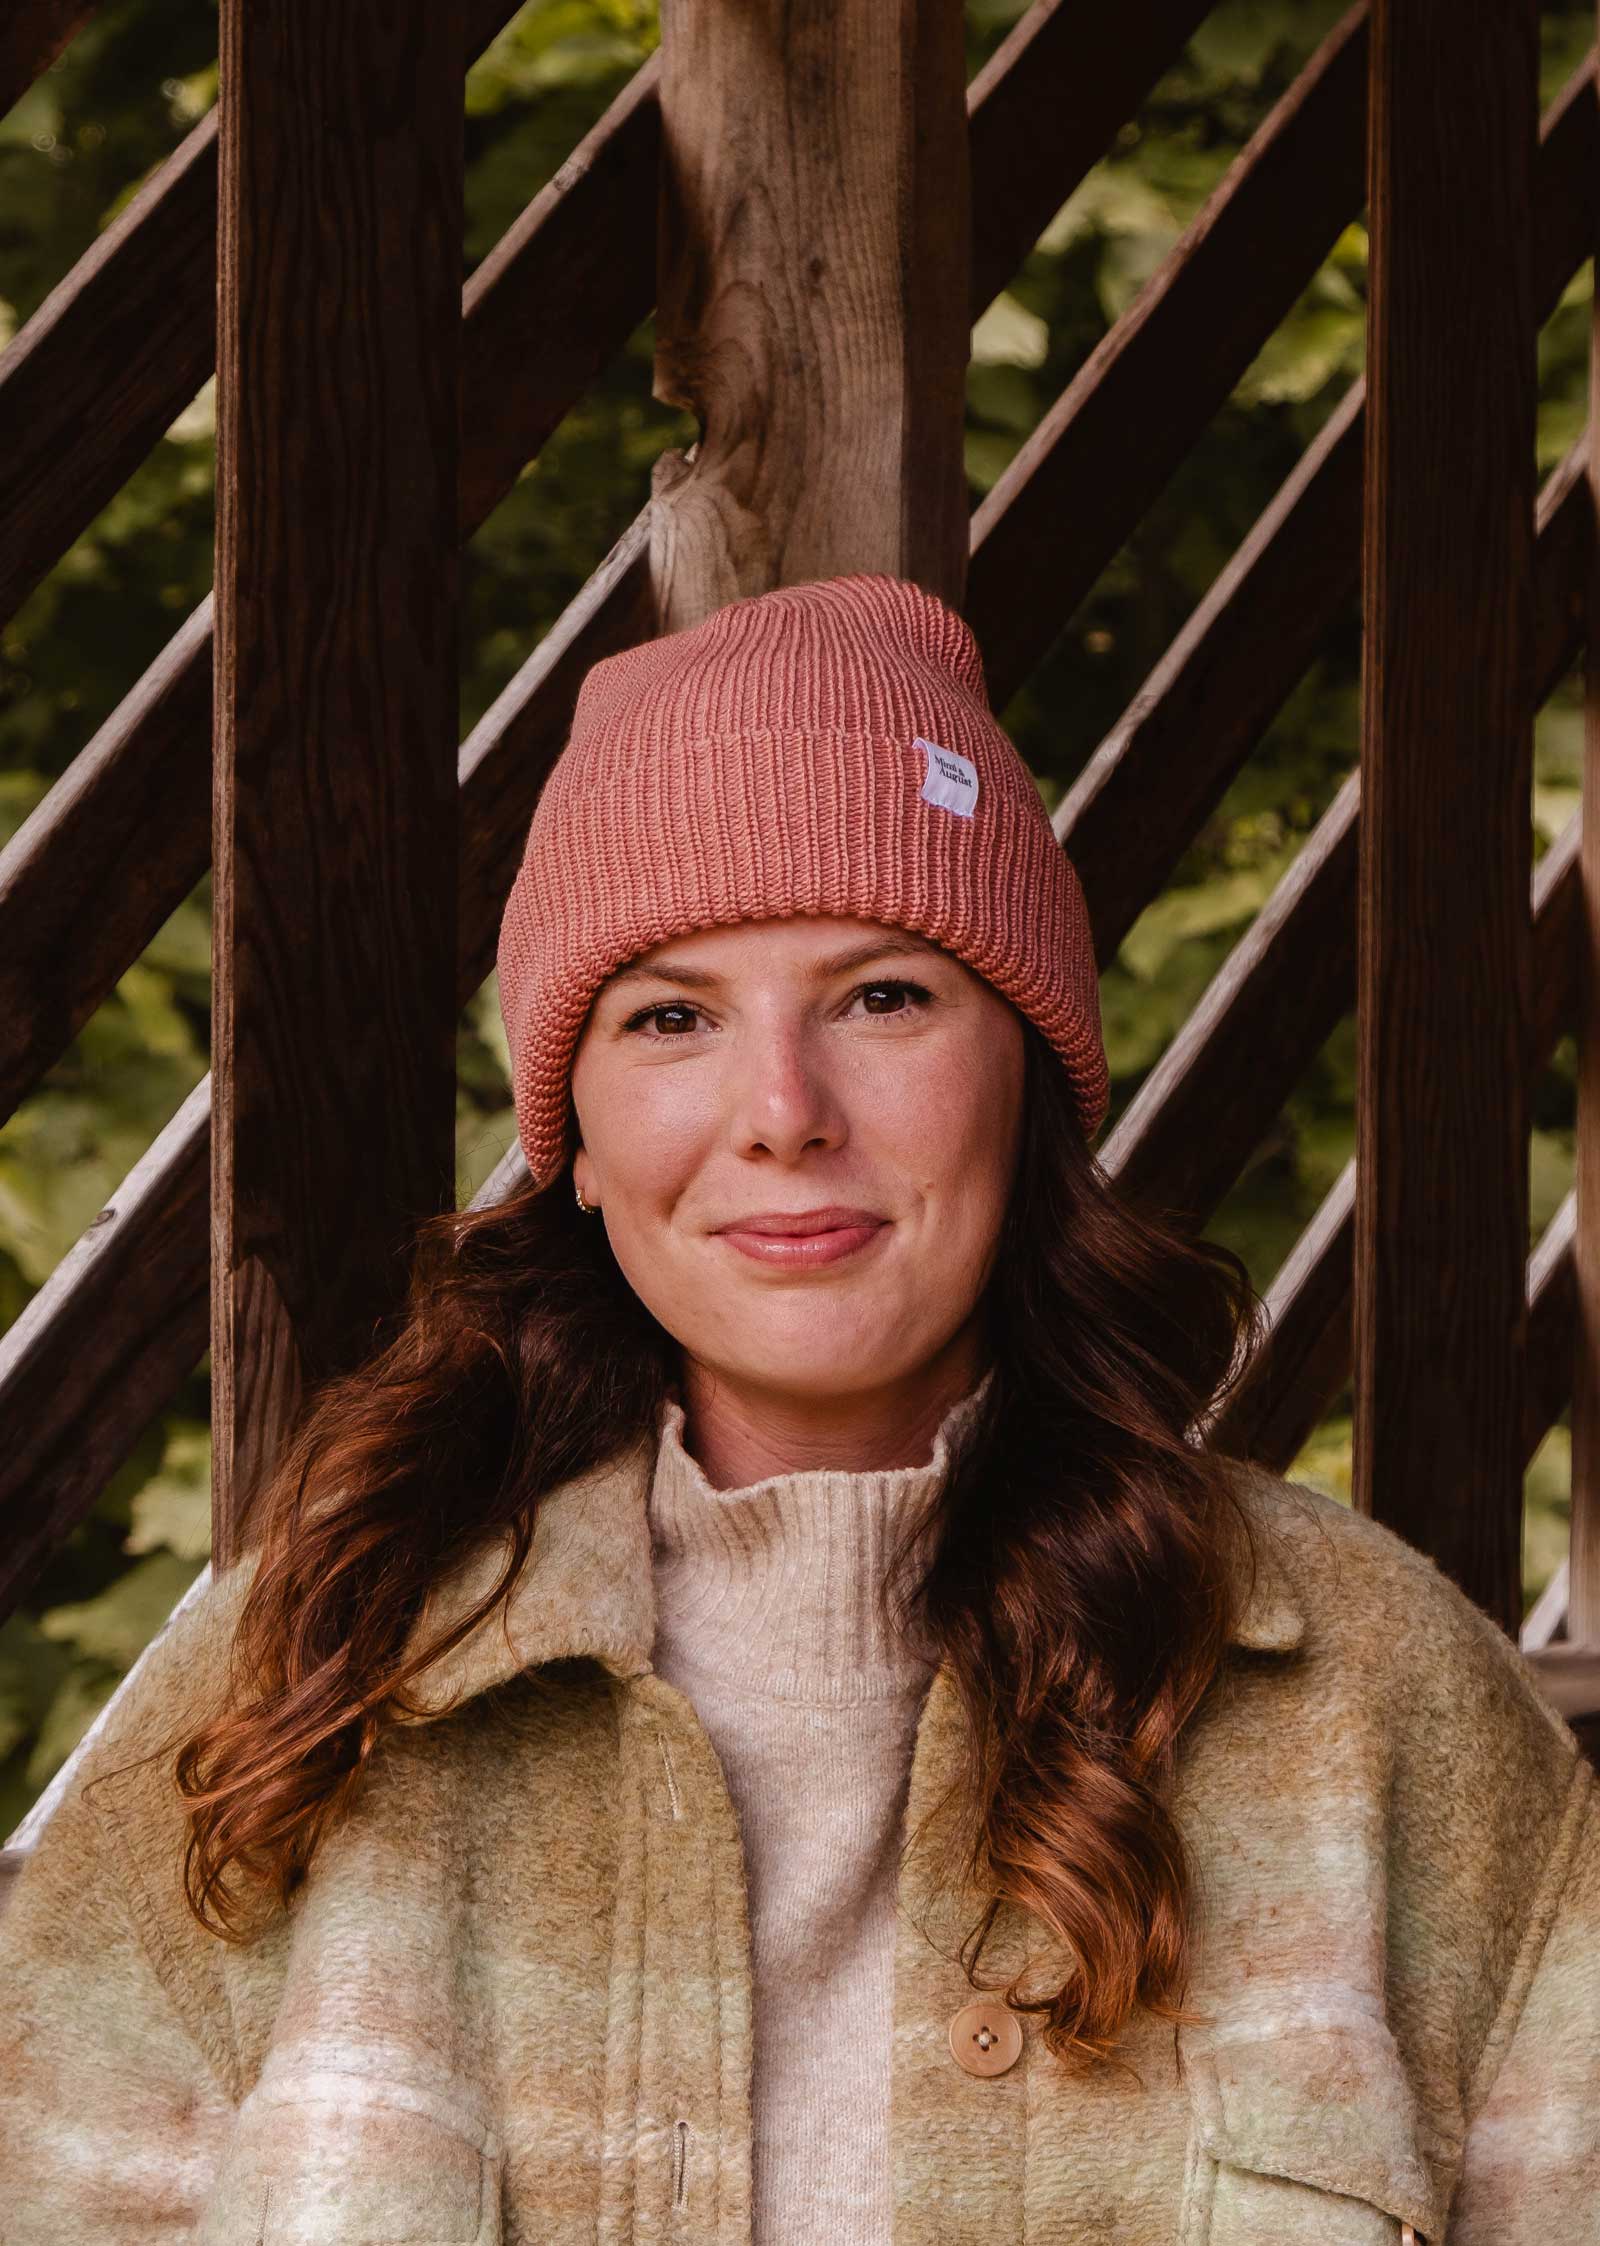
(770, 1620)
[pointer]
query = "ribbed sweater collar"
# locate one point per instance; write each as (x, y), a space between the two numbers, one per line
(777, 1588)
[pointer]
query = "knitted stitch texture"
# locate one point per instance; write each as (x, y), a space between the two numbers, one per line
(771, 1619)
(823, 748)
(513, 2000)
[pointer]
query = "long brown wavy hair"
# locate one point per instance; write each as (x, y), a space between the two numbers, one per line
(1080, 1583)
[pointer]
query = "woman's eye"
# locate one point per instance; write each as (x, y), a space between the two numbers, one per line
(654, 1013)
(679, 1015)
(913, 991)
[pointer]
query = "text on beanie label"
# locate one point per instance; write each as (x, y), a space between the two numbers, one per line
(951, 780)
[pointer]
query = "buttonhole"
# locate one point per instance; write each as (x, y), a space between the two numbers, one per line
(673, 1795)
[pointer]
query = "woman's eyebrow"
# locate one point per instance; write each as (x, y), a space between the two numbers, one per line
(838, 963)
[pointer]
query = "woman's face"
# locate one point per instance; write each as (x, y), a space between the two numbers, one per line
(739, 1078)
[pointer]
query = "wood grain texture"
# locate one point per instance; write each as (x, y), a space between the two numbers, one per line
(123, 1320)
(813, 283)
(32, 34)
(1583, 1594)
(1079, 483)
(1444, 1000)
(557, 297)
(505, 757)
(98, 1351)
(1306, 1357)
(334, 994)
(1047, 105)
(1167, 762)
(130, 820)
(118, 349)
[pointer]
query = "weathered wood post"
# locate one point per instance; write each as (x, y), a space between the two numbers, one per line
(812, 302)
(339, 320)
(1445, 846)
(1583, 1567)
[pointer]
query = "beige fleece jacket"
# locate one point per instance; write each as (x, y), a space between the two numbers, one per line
(514, 2001)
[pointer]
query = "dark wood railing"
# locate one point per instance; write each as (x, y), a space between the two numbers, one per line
(224, 1242)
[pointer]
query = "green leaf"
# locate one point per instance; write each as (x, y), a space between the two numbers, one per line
(172, 1512)
(1231, 901)
(1008, 334)
(119, 1624)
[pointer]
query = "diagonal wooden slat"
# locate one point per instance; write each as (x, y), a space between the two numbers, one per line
(129, 824)
(130, 820)
(1552, 1325)
(1103, 452)
(32, 34)
(1274, 1002)
(117, 350)
(1546, 1618)
(1228, 671)
(556, 296)
(1164, 767)
(1215, 1092)
(1046, 106)
(123, 1319)
(1306, 1356)
(138, 1257)
(54, 1396)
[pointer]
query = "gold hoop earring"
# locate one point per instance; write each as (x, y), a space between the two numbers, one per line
(589, 1208)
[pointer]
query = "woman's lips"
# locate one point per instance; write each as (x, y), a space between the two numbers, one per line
(799, 1251)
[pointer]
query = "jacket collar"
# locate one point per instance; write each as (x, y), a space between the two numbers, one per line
(588, 1590)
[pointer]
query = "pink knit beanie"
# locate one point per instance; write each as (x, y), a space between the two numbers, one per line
(824, 748)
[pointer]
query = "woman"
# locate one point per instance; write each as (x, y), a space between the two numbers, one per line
(757, 1714)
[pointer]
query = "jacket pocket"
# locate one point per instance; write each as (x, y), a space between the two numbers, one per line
(329, 2156)
(1308, 2133)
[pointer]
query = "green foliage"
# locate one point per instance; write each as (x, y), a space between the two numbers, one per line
(79, 145)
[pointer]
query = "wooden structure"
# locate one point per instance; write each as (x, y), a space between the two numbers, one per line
(798, 208)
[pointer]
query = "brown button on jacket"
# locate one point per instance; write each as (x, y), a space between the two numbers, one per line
(512, 2004)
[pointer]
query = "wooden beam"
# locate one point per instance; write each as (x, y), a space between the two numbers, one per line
(1445, 997)
(118, 349)
(557, 296)
(57, 1383)
(1166, 764)
(1305, 1359)
(814, 278)
(1583, 1589)
(1569, 1677)
(32, 34)
(1047, 105)
(122, 1320)
(1187, 1132)
(338, 407)
(1104, 450)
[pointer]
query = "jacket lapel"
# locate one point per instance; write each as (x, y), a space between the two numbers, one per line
(587, 1588)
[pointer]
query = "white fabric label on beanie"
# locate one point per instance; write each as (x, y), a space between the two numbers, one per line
(951, 780)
